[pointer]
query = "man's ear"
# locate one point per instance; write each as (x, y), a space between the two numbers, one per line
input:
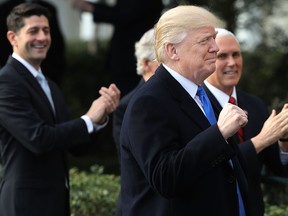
(145, 63)
(171, 51)
(11, 36)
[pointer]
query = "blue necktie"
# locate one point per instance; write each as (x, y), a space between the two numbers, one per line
(212, 119)
(43, 82)
(206, 105)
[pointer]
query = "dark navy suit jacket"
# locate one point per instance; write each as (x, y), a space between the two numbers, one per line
(172, 161)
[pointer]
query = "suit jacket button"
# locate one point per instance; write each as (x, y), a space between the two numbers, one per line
(231, 178)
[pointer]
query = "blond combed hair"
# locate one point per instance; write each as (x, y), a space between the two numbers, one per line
(174, 25)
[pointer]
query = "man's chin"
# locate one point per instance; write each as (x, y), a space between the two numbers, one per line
(40, 58)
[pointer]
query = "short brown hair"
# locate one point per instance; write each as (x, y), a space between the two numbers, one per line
(15, 20)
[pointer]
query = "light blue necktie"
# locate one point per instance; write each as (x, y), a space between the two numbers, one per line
(43, 82)
(212, 119)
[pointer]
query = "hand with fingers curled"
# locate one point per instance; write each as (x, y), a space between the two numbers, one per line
(105, 104)
(111, 97)
(275, 128)
(231, 118)
(283, 140)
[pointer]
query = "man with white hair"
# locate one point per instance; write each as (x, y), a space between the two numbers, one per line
(261, 130)
(146, 66)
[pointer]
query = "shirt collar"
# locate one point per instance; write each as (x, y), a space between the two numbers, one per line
(29, 67)
(221, 97)
(187, 84)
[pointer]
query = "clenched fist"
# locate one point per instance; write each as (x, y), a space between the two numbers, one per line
(231, 118)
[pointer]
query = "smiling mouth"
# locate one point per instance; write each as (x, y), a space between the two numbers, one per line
(39, 47)
(230, 73)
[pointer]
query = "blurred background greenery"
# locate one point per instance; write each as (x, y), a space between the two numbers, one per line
(84, 77)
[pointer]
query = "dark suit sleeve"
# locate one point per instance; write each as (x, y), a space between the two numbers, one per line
(249, 153)
(154, 142)
(117, 122)
(257, 115)
(25, 116)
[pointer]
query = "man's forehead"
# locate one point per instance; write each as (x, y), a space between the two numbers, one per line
(36, 21)
(36, 18)
(203, 32)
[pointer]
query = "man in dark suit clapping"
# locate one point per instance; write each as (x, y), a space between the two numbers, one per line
(36, 130)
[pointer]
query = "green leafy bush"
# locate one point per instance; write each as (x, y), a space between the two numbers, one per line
(275, 210)
(275, 191)
(93, 193)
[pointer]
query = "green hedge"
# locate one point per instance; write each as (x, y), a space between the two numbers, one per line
(93, 193)
(274, 210)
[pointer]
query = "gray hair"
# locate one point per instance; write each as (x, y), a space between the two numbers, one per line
(221, 32)
(144, 49)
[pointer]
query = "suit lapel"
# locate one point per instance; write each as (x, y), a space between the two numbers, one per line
(181, 96)
(23, 71)
(247, 105)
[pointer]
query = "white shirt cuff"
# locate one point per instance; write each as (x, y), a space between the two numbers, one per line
(93, 127)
